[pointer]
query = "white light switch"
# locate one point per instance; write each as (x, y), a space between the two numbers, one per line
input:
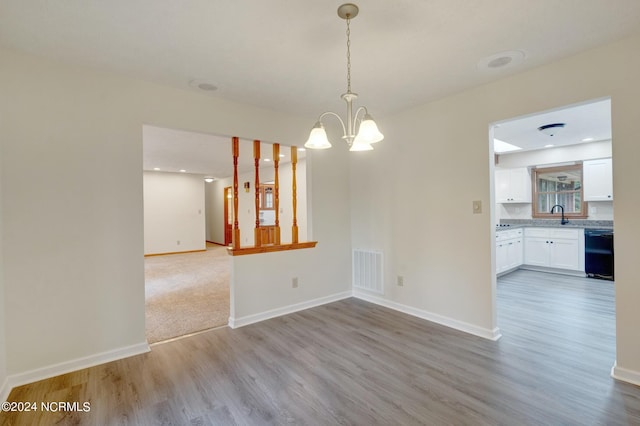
(477, 207)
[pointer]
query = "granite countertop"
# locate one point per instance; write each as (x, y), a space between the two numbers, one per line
(553, 223)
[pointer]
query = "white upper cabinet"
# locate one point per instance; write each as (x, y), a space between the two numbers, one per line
(598, 180)
(513, 185)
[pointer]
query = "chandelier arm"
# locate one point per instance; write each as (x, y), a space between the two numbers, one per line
(355, 116)
(344, 129)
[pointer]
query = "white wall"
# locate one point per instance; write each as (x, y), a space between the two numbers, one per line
(412, 197)
(72, 207)
(174, 216)
(3, 308)
(214, 193)
(324, 272)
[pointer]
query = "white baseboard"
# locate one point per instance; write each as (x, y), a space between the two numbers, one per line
(625, 375)
(553, 270)
(69, 366)
(250, 319)
(430, 316)
(5, 390)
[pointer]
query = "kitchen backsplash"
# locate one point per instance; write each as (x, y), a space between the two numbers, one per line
(598, 210)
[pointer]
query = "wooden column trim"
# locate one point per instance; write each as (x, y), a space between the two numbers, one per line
(276, 201)
(294, 196)
(256, 160)
(235, 150)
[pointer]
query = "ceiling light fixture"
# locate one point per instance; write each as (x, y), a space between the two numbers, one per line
(551, 129)
(367, 130)
(209, 179)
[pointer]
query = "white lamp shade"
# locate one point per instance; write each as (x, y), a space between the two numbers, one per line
(368, 131)
(318, 138)
(359, 145)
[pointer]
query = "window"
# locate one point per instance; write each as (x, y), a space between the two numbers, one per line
(558, 186)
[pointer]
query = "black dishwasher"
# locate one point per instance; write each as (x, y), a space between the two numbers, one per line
(598, 253)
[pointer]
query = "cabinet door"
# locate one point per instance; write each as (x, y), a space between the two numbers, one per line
(501, 257)
(536, 251)
(513, 185)
(502, 186)
(519, 252)
(512, 254)
(564, 254)
(520, 186)
(598, 180)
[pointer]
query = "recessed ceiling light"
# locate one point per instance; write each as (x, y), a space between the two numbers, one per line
(281, 155)
(502, 146)
(587, 139)
(549, 145)
(183, 171)
(209, 179)
(156, 168)
(301, 149)
(507, 59)
(267, 159)
(206, 85)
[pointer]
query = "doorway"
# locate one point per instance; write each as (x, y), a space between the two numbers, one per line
(531, 157)
(187, 276)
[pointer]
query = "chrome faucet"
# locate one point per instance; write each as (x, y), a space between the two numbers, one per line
(563, 221)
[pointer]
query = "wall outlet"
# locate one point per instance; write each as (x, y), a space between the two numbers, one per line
(294, 282)
(400, 281)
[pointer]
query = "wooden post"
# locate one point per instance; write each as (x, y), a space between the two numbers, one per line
(294, 227)
(256, 159)
(276, 202)
(235, 149)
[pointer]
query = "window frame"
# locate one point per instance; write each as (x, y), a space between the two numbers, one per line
(534, 188)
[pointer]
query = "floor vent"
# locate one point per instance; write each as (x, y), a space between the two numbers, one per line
(367, 270)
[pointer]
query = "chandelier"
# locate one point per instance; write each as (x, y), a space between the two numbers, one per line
(358, 133)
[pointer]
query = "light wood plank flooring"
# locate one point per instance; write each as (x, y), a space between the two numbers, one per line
(352, 362)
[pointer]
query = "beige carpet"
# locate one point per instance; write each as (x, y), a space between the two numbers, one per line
(186, 292)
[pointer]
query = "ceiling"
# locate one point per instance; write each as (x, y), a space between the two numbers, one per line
(588, 122)
(289, 56)
(170, 150)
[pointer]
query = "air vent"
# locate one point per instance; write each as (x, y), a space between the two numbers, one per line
(367, 270)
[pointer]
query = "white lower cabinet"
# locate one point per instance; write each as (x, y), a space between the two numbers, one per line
(554, 248)
(509, 250)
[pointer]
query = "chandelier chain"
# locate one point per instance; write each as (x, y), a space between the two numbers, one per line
(348, 55)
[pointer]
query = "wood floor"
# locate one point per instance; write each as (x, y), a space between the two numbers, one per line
(352, 362)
